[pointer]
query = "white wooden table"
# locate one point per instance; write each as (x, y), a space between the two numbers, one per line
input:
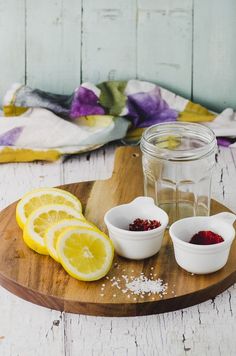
(30, 330)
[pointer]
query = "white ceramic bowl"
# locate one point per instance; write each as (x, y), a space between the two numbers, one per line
(136, 244)
(202, 259)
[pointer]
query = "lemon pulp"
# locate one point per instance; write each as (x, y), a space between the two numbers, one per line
(44, 196)
(51, 234)
(86, 254)
(41, 220)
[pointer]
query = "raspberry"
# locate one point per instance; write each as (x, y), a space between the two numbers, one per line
(206, 238)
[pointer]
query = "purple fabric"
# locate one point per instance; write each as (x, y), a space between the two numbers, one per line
(9, 138)
(147, 109)
(223, 141)
(85, 102)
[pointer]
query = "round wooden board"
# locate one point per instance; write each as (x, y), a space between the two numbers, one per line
(39, 279)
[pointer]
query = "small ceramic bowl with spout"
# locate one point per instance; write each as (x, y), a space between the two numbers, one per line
(202, 259)
(136, 244)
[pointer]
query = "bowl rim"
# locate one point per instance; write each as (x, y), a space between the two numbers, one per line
(148, 233)
(218, 246)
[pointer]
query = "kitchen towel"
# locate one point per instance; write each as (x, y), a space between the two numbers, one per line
(41, 125)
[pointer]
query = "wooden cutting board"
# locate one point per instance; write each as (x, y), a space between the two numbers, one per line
(39, 279)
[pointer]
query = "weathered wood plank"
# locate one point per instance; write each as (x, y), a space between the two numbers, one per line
(27, 329)
(214, 73)
(53, 44)
(207, 328)
(12, 39)
(165, 43)
(189, 332)
(89, 166)
(17, 179)
(200, 325)
(109, 40)
(224, 174)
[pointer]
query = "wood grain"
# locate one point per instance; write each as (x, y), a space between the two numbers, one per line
(191, 331)
(214, 51)
(41, 280)
(53, 43)
(12, 39)
(164, 43)
(179, 44)
(109, 40)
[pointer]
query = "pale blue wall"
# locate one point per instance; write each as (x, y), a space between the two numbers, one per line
(186, 45)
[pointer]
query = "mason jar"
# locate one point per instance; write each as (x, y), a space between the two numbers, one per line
(178, 160)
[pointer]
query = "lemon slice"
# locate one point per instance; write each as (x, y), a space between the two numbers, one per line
(86, 254)
(42, 219)
(54, 231)
(43, 196)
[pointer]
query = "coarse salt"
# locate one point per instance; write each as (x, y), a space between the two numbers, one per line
(115, 284)
(142, 284)
(138, 286)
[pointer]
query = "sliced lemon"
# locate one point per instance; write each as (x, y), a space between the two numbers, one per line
(51, 235)
(43, 196)
(42, 219)
(86, 254)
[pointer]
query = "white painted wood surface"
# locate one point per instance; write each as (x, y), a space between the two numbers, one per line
(53, 43)
(26, 329)
(164, 43)
(214, 73)
(185, 45)
(109, 40)
(12, 39)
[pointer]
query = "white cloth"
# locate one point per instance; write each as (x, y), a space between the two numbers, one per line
(41, 129)
(224, 124)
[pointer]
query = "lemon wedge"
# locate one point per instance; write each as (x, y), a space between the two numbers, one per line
(51, 235)
(86, 254)
(42, 219)
(44, 196)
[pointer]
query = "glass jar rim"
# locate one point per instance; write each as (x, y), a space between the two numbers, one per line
(167, 128)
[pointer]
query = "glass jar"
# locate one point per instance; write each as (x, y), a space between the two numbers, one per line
(178, 160)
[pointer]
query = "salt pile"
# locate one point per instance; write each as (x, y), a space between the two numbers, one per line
(142, 285)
